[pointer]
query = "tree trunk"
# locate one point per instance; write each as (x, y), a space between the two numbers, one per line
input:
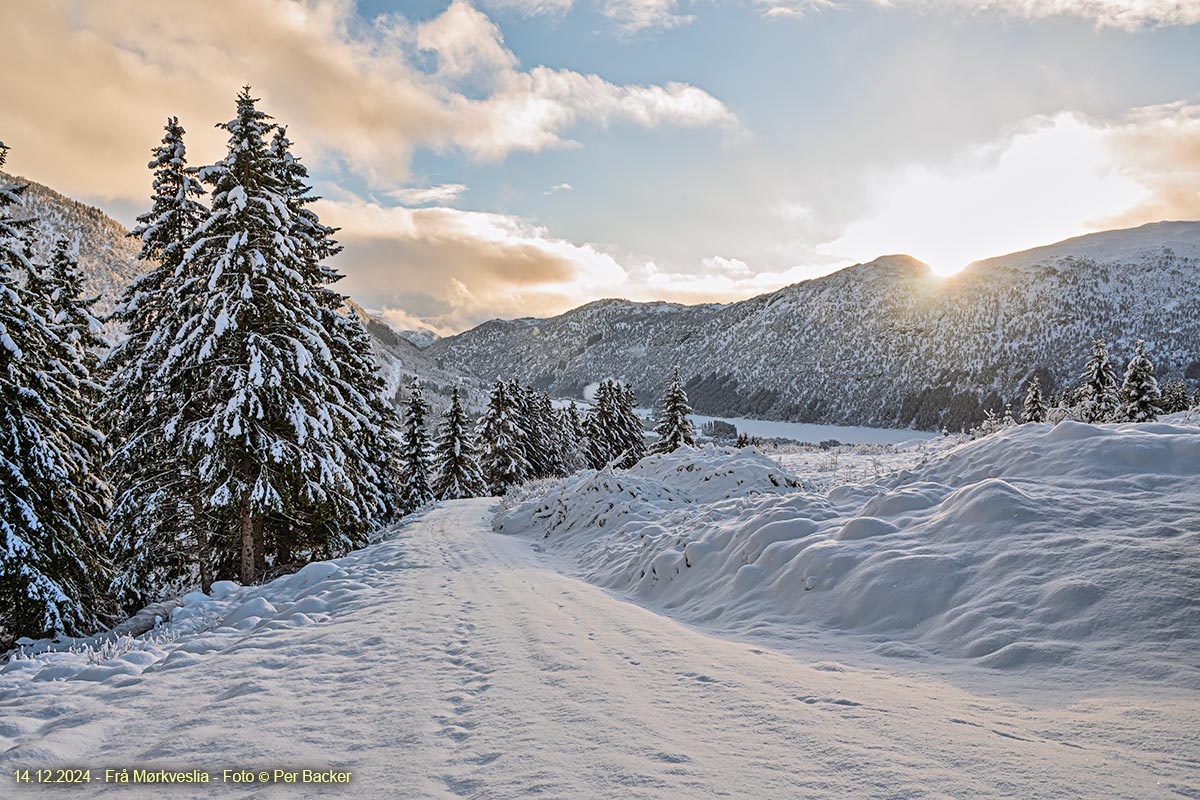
(249, 540)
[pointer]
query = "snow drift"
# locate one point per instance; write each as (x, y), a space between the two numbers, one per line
(1070, 545)
(198, 625)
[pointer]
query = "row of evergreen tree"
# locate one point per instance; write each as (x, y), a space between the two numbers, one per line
(1100, 397)
(240, 423)
(522, 437)
(53, 502)
(239, 428)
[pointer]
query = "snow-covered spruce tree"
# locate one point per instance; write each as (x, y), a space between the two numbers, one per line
(72, 311)
(1034, 409)
(52, 497)
(1140, 396)
(674, 427)
(614, 431)
(367, 427)
(415, 450)
(600, 426)
(502, 458)
(630, 428)
(532, 437)
(1008, 420)
(262, 426)
(160, 531)
(545, 434)
(458, 473)
(572, 438)
(1098, 394)
(1175, 396)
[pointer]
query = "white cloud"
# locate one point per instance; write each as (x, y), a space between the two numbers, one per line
(351, 91)
(1124, 14)
(634, 16)
(421, 196)
(552, 8)
(467, 44)
(559, 187)
(793, 8)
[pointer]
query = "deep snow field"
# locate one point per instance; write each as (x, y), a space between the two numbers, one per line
(1017, 616)
(1070, 549)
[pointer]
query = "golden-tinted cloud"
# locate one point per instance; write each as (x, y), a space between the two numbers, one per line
(97, 79)
(1159, 147)
(455, 268)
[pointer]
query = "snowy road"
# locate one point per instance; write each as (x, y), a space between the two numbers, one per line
(471, 669)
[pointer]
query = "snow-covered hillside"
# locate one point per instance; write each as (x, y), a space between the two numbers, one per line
(107, 256)
(931, 352)
(400, 361)
(1071, 547)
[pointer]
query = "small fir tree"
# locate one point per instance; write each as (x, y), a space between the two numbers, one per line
(1098, 396)
(1175, 396)
(602, 427)
(631, 430)
(1140, 395)
(674, 427)
(572, 438)
(500, 436)
(1034, 409)
(458, 473)
(415, 453)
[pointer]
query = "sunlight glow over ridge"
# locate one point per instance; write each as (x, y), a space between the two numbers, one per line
(1054, 180)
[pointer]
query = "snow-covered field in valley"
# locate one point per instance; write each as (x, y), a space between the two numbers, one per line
(1010, 617)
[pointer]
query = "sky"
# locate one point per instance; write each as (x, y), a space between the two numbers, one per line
(509, 158)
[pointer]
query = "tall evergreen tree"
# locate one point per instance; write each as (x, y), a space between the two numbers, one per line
(1098, 394)
(630, 428)
(162, 537)
(572, 438)
(458, 473)
(1140, 395)
(674, 427)
(500, 437)
(52, 497)
(262, 422)
(601, 426)
(415, 450)
(1034, 409)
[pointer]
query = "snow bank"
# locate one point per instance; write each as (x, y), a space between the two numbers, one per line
(194, 626)
(1066, 546)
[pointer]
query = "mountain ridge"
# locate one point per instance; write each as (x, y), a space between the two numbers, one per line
(932, 351)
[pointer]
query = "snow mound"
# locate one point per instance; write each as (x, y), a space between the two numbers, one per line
(198, 624)
(658, 485)
(1069, 546)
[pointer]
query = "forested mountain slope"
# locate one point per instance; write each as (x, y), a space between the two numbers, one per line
(884, 343)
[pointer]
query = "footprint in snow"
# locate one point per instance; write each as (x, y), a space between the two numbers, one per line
(834, 701)
(698, 678)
